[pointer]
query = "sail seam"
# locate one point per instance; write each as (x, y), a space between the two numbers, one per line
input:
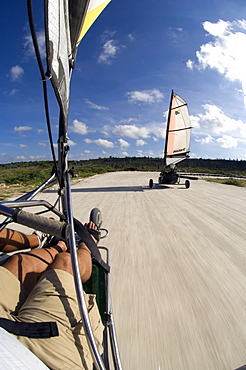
(183, 105)
(181, 129)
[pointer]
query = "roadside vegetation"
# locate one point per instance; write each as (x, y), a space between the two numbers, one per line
(20, 177)
(230, 181)
(16, 179)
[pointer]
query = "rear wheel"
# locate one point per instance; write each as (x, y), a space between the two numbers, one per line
(187, 184)
(151, 183)
(96, 217)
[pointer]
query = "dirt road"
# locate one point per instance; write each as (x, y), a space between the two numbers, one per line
(178, 280)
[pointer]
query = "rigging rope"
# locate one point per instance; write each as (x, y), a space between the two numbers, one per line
(44, 79)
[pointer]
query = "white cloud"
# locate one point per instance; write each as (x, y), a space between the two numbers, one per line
(174, 33)
(217, 29)
(106, 130)
(123, 143)
(20, 129)
(128, 120)
(145, 96)
(23, 146)
(21, 157)
(110, 49)
(206, 140)
(217, 122)
(140, 142)
(147, 153)
(242, 23)
(42, 144)
(16, 73)
(125, 154)
(13, 92)
(95, 106)
(131, 37)
(227, 142)
(135, 132)
(225, 53)
(243, 130)
(131, 131)
(215, 119)
(37, 157)
(107, 35)
(150, 153)
(158, 129)
(87, 151)
(79, 127)
(100, 142)
(190, 64)
(28, 44)
(195, 121)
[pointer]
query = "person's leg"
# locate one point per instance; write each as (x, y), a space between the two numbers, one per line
(63, 260)
(54, 299)
(28, 266)
(12, 240)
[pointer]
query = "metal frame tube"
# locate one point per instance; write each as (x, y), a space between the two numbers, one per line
(28, 196)
(78, 283)
(111, 326)
(32, 203)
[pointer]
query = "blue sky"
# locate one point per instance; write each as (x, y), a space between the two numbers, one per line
(127, 64)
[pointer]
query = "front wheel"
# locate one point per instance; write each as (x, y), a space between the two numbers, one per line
(187, 184)
(151, 183)
(96, 217)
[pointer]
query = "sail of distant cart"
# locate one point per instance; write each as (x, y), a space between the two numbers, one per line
(177, 144)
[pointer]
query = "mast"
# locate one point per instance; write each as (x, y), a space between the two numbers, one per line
(168, 124)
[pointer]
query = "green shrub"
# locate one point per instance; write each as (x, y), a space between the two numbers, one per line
(30, 175)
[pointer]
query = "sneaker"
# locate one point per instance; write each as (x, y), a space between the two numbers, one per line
(42, 238)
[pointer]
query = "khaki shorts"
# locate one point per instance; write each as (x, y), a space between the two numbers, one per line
(52, 299)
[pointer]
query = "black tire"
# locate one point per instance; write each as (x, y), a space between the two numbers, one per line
(96, 217)
(151, 183)
(187, 184)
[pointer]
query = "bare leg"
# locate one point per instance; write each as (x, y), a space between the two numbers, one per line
(12, 240)
(63, 260)
(28, 267)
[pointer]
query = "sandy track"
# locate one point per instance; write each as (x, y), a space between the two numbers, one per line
(178, 281)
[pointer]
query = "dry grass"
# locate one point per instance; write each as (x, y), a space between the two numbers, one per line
(230, 181)
(13, 191)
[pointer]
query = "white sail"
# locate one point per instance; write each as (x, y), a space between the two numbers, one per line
(178, 133)
(58, 47)
(66, 22)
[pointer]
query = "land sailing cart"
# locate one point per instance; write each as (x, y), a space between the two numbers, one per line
(177, 144)
(66, 22)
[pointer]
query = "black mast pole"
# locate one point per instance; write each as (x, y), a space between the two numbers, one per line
(168, 124)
